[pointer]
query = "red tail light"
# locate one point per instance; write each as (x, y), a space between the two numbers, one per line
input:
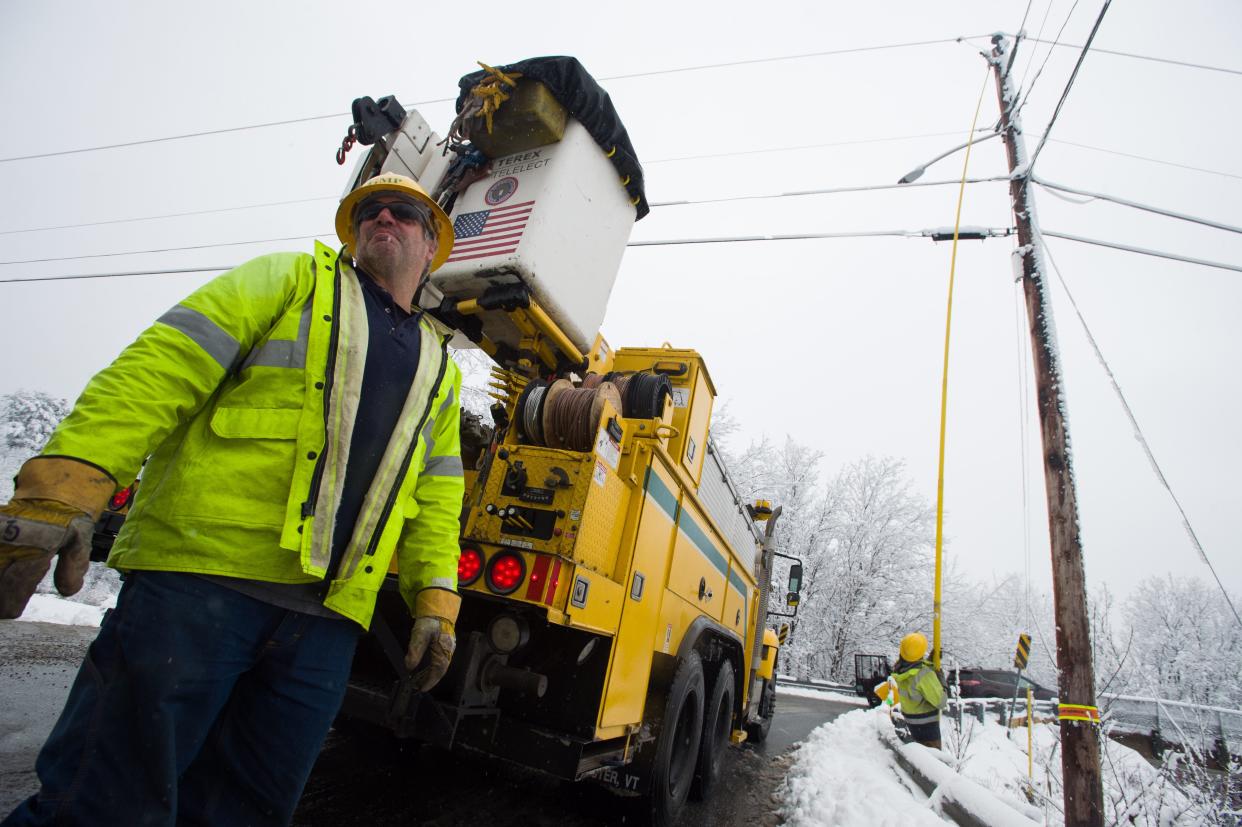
(971, 683)
(505, 572)
(469, 566)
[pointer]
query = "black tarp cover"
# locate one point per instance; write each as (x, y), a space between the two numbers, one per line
(587, 102)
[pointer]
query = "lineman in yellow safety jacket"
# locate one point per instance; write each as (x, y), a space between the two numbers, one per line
(920, 690)
(299, 419)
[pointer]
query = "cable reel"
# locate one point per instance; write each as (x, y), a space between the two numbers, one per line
(562, 415)
(642, 394)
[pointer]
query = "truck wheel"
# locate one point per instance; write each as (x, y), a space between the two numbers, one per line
(678, 742)
(757, 730)
(717, 727)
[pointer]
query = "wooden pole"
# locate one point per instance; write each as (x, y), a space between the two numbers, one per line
(1080, 748)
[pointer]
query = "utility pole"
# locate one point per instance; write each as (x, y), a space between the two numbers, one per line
(1080, 747)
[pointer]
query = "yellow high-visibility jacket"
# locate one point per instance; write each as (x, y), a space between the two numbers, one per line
(244, 397)
(921, 693)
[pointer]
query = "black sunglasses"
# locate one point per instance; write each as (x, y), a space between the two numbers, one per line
(401, 210)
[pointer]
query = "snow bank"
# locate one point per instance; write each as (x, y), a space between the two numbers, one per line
(50, 608)
(843, 775)
(848, 773)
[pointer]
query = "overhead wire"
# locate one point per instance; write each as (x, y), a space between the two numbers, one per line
(80, 276)
(1143, 251)
(825, 191)
(1151, 58)
(1146, 158)
(939, 234)
(673, 203)
(1025, 15)
(1068, 85)
(685, 202)
(1207, 222)
(1031, 62)
(1025, 96)
(166, 249)
(268, 204)
(652, 73)
(169, 215)
(1139, 436)
(797, 148)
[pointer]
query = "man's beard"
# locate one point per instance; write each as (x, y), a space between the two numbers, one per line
(388, 262)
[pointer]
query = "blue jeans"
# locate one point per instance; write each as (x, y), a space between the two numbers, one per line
(195, 705)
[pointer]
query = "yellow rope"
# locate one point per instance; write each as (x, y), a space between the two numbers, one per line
(491, 92)
(944, 384)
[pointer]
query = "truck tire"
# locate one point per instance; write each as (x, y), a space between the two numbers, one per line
(717, 727)
(757, 730)
(677, 745)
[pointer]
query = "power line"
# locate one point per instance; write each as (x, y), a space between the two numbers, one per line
(166, 249)
(798, 147)
(1136, 205)
(168, 215)
(684, 202)
(1027, 95)
(667, 160)
(121, 275)
(936, 234)
(171, 138)
(1142, 251)
(1031, 62)
(1152, 58)
(1139, 435)
(827, 191)
(1025, 15)
(652, 73)
(803, 56)
(332, 197)
(941, 234)
(1068, 85)
(1144, 158)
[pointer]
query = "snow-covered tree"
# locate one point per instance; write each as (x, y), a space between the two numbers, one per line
(869, 572)
(27, 419)
(982, 622)
(864, 541)
(1186, 643)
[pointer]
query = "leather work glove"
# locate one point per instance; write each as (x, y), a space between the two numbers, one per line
(52, 514)
(433, 636)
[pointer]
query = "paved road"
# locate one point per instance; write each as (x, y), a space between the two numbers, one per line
(38, 662)
(427, 786)
(378, 780)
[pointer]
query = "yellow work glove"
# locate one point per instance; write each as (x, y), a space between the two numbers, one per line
(432, 637)
(52, 514)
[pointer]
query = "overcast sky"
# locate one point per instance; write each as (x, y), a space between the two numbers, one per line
(836, 343)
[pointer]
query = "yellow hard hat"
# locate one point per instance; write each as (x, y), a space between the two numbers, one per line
(401, 185)
(913, 647)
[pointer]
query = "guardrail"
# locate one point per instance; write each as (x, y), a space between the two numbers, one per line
(845, 688)
(1210, 730)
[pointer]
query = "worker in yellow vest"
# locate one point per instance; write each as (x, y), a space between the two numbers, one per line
(921, 690)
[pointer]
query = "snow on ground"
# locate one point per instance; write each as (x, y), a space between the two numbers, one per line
(86, 608)
(844, 774)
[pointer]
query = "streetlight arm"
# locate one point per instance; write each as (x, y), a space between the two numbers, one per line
(916, 173)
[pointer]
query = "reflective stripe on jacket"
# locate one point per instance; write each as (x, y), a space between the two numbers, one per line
(922, 696)
(226, 393)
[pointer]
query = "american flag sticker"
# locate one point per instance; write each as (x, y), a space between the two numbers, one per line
(493, 232)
